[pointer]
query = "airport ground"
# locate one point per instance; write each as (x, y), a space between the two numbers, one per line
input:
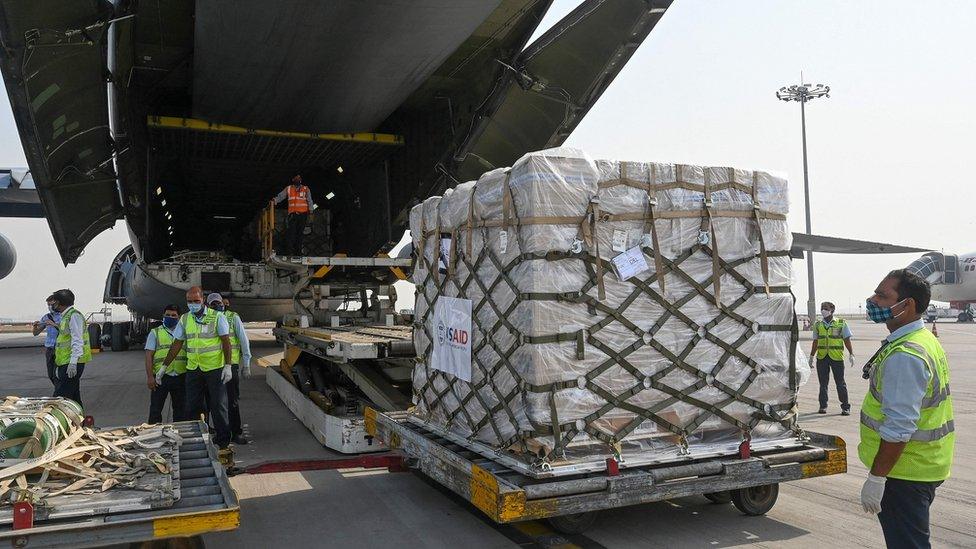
(374, 508)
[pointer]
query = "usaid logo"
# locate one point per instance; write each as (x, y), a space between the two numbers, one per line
(453, 337)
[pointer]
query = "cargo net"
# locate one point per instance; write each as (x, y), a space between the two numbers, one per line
(617, 309)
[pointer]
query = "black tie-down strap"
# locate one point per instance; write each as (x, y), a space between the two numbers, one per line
(483, 404)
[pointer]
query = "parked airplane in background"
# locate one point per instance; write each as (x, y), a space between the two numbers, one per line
(953, 280)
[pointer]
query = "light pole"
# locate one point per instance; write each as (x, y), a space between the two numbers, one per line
(804, 93)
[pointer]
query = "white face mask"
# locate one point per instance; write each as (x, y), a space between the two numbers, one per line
(826, 313)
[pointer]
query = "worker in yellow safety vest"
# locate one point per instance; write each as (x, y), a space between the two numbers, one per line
(907, 428)
(833, 334)
(206, 335)
(165, 382)
(240, 348)
(300, 208)
(72, 348)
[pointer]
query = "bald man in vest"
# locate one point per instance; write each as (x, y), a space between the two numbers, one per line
(300, 208)
(907, 427)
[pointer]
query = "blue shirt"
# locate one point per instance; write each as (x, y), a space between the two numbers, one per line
(903, 383)
(50, 334)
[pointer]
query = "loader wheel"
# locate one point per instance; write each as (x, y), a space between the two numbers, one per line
(573, 524)
(720, 497)
(757, 500)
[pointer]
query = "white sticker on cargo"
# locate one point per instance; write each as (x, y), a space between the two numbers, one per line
(630, 263)
(451, 348)
(445, 253)
(619, 240)
(503, 242)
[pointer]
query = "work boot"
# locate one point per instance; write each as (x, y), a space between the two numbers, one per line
(822, 411)
(240, 440)
(226, 457)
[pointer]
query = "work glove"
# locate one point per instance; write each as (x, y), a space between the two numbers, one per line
(226, 374)
(72, 370)
(871, 494)
(850, 360)
(246, 371)
(159, 376)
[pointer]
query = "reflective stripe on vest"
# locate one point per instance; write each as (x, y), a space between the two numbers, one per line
(298, 199)
(62, 344)
(830, 339)
(235, 342)
(164, 340)
(203, 348)
(927, 456)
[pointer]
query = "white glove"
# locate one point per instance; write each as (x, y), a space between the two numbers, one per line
(226, 374)
(810, 361)
(159, 376)
(850, 360)
(72, 369)
(871, 494)
(246, 371)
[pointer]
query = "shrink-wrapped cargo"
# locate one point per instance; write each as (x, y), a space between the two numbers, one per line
(630, 309)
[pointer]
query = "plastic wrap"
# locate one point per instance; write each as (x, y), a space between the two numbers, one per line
(562, 372)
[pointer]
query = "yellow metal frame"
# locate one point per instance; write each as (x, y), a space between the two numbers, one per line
(192, 524)
(194, 124)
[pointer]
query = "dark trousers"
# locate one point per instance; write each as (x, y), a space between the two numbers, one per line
(294, 232)
(69, 387)
(52, 368)
(824, 366)
(173, 387)
(234, 402)
(904, 513)
(200, 383)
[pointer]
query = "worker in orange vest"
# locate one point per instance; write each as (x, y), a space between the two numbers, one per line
(300, 208)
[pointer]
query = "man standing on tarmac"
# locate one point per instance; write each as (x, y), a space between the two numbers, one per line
(49, 325)
(240, 349)
(300, 208)
(72, 347)
(907, 428)
(833, 334)
(170, 381)
(205, 334)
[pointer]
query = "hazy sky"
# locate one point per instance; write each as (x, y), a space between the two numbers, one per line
(887, 150)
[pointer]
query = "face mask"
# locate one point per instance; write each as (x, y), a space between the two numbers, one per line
(51, 308)
(195, 307)
(825, 313)
(881, 314)
(170, 322)
(217, 307)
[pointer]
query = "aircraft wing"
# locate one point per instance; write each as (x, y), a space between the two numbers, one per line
(54, 69)
(832, 245)
(555, 81)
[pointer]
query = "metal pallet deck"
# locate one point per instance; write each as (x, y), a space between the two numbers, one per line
(207, 504)
(507, 495)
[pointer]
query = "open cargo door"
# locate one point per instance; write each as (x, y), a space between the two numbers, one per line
(55, 74)
(555, 81)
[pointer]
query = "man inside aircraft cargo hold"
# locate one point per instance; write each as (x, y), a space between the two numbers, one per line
(49, 325)
(206, 335)
(907, 428)
(833, 334)
(300, 207)
(240, 348)
(72, 347)
(170, 381)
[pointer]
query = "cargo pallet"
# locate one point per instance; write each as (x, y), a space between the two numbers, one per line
(207, 504)
(571, 503)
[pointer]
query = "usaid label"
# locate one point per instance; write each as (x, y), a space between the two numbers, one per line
(451, 349)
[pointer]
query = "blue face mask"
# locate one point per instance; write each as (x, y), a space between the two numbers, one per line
(195, 307)
(170, 322)
(881, 314)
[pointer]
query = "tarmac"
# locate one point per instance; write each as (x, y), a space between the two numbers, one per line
(375, 508)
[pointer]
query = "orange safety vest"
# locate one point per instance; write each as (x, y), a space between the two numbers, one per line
(297, 199)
